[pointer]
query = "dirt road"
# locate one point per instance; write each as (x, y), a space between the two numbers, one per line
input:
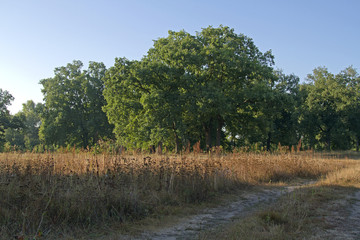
(190, 227)
(341, 218)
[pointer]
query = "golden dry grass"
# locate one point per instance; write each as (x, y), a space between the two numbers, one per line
(344, 177)
(300, 214)
(57, 192)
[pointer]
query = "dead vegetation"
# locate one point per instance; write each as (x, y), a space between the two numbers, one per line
(45, 195)
(320, 211)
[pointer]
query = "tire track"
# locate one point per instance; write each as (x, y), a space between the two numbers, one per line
(342, 219)
(192, 226)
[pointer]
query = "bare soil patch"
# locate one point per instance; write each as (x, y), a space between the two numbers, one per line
(341, 218)
(210, 218)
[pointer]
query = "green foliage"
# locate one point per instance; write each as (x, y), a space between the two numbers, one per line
(5, 100)
(212, 89)
(350, 95)
(187, 88)
(73, 100)
(23, 133)
(217, 88)
(276, 111)
(331, 109)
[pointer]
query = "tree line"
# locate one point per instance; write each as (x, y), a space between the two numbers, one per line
(215, 88)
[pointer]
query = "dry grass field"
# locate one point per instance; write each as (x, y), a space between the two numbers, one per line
(44, 196)
(328, 209)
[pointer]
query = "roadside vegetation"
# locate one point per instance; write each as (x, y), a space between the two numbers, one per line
(198, 116)
(305, 213)
(48, 195)
(214, 87)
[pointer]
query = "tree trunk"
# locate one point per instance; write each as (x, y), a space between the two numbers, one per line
(152, 148)
(328, 141)
(357, 144)
(176, 139)
(220, 123)
(268, 142)
(177, 144)
(85, 137)
(208, 136)
(159, 148)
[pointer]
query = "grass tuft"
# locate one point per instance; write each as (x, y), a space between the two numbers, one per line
(58, 192)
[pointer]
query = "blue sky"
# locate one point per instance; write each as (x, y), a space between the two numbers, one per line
(37, 36)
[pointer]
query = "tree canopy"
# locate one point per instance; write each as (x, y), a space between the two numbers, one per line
(331, 108)
(72, 112)
(24, 131)
(5, 100)
(214, 87)
(187, 88)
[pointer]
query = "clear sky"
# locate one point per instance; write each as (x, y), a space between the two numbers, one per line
(37, 36)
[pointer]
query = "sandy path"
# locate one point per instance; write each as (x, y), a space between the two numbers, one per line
(190, 227)
(342, 219)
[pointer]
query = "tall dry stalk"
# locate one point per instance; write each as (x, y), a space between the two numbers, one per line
(49, 192)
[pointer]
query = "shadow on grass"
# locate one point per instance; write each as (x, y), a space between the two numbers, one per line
(305, 213)
(347, 155)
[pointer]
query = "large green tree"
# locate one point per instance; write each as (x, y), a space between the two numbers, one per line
(187, 88)
(73, 106)
(5, 100)
(279, 115)
(330, 110)
(147, 99)
(321, 105)
(24, 131)
(231, 76)
(32, 114)
(350, 107)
